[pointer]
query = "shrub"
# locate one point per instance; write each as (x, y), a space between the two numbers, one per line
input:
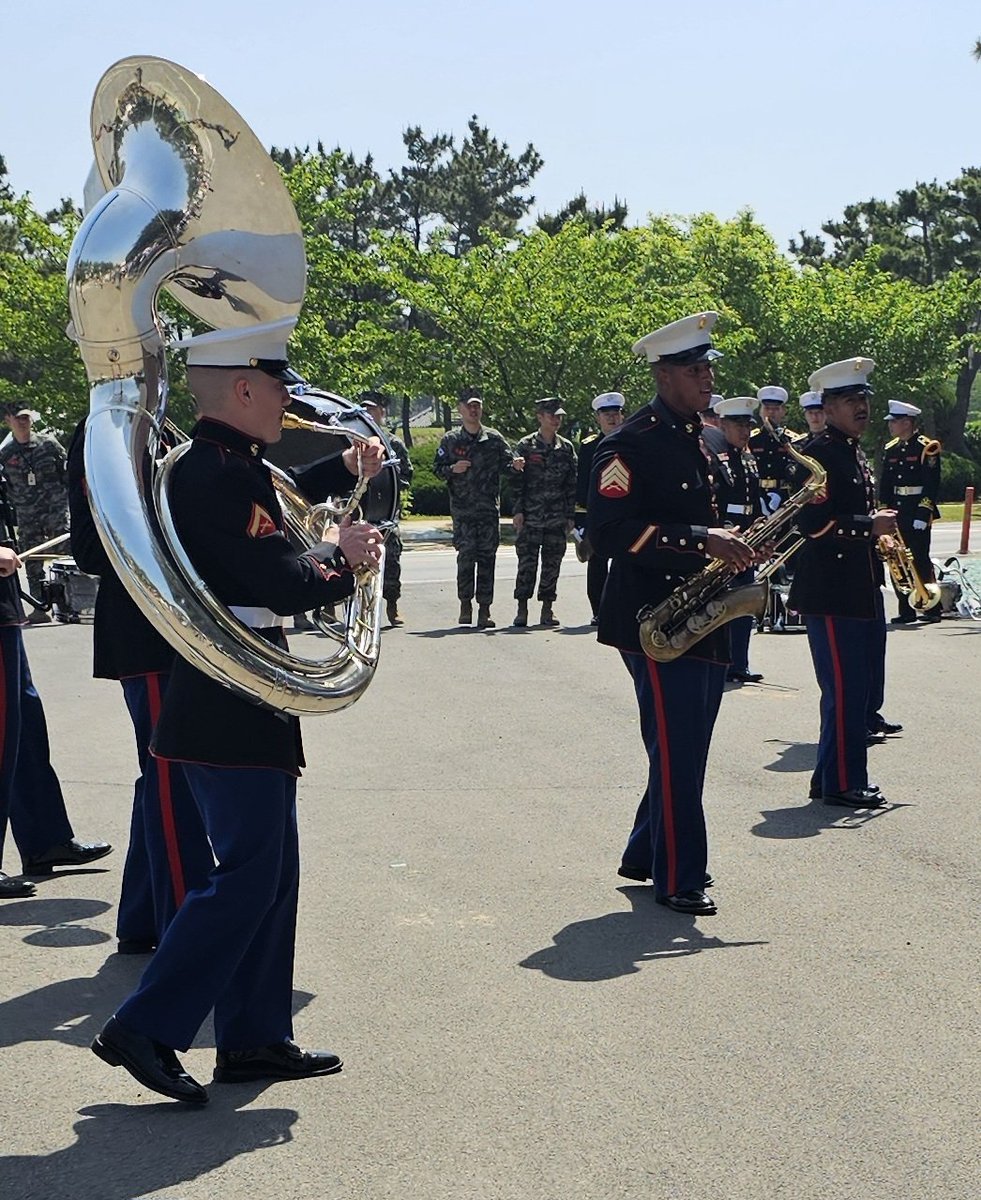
(957, 473)
(427, 496)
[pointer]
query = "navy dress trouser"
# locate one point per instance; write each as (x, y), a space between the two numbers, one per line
(169, 854)
(30, 794)
(679, 702)
(230, 945)
(849, 662)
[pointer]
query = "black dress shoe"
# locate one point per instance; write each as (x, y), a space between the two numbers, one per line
(695, 902)
(816, 794)
(743, 677)
(285, 1060)
(135, 946)
(884, 727)
(641, 875)
(11, 889)
(149, 1062)
(869, 797)
(910, 620)
(932, 616)
(66, 854)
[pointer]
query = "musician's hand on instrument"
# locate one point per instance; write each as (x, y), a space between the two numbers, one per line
(884, 522)
(9, 561)
(728, 546)
(372, 457)
(460, 466)
(518, 521)
(360, 543)
(765, 552)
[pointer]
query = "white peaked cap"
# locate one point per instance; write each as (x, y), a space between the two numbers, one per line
(687, 340)
(772, 394)
(846, 375)
(608, 400)
(714, 401)
(245, 346)
(738, 406)
(811, 400)
(897, 408)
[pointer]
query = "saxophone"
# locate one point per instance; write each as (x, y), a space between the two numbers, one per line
(707, 599)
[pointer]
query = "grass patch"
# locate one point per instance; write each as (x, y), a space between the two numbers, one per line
(954, 511)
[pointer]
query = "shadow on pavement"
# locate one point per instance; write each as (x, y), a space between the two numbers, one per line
(816, 817)
(124, 1152)
(54, 922)
(613, 945)
(72, 1011)
(795, 756)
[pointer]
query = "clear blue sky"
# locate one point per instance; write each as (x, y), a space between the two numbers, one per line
(793, 109)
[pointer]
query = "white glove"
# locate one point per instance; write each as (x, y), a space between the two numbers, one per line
(773, 501)
(921, 525)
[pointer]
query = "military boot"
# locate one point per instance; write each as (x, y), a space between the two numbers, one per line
(521, 616)
(484, 618)
(466, 612)
(548, 617)
(394, 616)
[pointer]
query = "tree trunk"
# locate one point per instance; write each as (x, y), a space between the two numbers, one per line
(406, 429)
(954, 440)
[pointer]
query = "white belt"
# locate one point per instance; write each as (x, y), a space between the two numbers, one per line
(909, 491)
(257, 618)
(742, 509)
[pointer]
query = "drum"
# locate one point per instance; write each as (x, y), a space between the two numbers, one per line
(69, 591)
(301, 451)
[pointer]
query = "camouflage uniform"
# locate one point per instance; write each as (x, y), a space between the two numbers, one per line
(35, 472)
(475, 505)
(546, 497)
(392, 580)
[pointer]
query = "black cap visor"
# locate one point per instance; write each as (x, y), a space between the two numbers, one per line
(684, 358)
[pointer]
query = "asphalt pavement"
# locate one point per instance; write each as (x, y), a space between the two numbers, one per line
(517, 1021)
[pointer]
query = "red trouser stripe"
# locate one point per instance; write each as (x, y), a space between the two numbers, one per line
(163, 769)
(839, 704)
(667, 796)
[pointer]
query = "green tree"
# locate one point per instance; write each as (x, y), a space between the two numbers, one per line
(928, 234)
(483, 193)
(592, 216)
(39, 365)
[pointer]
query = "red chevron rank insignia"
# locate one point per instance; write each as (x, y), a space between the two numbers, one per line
(614, 480)
(260, 523)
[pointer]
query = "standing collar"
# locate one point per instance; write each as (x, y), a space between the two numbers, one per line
(687, 426)
(837, 435)
(209, 430)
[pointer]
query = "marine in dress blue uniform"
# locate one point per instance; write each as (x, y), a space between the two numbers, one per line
(838, 588)
(779, 476)
(230, 946)
(812, 407)
(652, 513)
(608, 407)
(169, 853)
(910, 483)
(30, 793)
(737, 497)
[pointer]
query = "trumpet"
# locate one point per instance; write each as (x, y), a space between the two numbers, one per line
(898, 558)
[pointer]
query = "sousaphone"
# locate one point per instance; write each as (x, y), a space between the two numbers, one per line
(193, 205)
